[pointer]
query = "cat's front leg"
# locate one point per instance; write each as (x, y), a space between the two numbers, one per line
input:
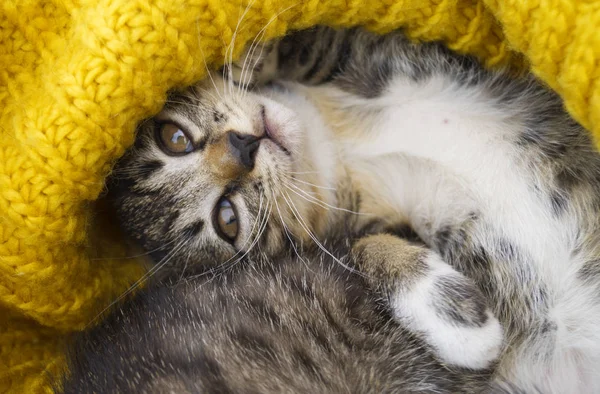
(312, 57)
(432, 299)
(257, 66)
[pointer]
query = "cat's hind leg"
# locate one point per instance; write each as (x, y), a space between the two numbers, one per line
(431, 298)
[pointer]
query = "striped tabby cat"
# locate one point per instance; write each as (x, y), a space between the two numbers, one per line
(343, 131)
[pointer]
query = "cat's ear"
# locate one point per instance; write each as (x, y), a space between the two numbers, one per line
(257, 66)
(433, 300)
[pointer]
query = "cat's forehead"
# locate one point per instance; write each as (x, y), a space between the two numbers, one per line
(193, 103)
(207, 106)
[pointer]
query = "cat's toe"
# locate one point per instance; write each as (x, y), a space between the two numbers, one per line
(257, 66)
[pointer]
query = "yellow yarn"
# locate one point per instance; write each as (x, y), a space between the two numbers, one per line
(77, 75)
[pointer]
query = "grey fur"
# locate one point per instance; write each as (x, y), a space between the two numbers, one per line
(279, 325)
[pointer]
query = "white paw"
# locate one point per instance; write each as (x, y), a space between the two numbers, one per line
(450, 313)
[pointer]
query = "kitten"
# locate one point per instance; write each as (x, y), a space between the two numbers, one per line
(488, 169)
(273, 326)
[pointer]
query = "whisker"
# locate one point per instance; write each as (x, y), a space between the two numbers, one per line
(249, 54)
(208, 71)
(312, 199)
(262, 33)
(311, 184)
(258, 218)
(138, 282)
(256, 240)
(255, 42)
(187, 260)
(223, 267)
(302, 172)
(134, 256)
(314, 238)
(287, 233)
(231, 47)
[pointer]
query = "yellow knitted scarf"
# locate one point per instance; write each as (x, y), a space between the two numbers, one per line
(77, 75)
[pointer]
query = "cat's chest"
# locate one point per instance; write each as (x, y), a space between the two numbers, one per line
(432, 123)
(429, 152)
(457, 131)
(451, 125)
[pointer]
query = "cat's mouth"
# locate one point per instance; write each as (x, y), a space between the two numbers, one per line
(273, 132)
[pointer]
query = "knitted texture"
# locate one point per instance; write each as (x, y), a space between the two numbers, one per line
(77, 75)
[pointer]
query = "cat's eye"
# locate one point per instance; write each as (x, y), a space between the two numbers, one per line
(226, 220)
(174, 140)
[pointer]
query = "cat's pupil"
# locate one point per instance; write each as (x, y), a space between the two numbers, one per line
(227, 220)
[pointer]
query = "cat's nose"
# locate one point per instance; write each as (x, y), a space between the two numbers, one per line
(244, 147)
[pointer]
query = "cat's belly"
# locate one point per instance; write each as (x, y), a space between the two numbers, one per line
(437, 154)
(437, 161)
(446, 156)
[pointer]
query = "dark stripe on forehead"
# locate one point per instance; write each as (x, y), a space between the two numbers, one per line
(194, 228)
(219, 116)
(175, 99)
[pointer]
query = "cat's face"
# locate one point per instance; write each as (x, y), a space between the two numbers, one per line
(218, 172)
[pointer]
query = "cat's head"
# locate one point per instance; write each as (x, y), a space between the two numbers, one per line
(221, 171)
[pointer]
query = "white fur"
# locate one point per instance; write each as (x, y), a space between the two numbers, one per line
(469, 347)
(439, 151)
(474, 146)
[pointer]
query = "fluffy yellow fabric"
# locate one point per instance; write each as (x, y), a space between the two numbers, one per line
(77, 75)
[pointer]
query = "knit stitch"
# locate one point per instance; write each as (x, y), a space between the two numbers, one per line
(77, 75)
